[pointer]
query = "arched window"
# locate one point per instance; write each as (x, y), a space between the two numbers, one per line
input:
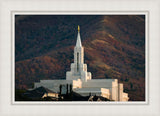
(77, 62)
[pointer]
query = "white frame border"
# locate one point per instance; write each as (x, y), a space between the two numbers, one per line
(146, 13)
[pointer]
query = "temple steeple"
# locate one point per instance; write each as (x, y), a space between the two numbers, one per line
(78, 68)
(78, 51)
(78, 28)
(78, 44)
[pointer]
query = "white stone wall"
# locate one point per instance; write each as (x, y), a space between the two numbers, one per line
(88, 91)
(120, 92)
(100, 83)
(105, 93)
(93, 91)
(110, 84)
(125, 97)
(77, 84)
(108, 88)
(79, 50)
(114, 93)
(85, 67)
(69, 75)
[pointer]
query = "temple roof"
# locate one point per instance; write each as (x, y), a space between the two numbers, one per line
(78, 44)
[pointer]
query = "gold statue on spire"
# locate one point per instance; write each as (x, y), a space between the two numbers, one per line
(78, 28)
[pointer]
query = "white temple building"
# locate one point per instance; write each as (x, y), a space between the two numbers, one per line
(82, 82)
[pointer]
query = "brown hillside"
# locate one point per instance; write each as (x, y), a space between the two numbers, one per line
(114, 47)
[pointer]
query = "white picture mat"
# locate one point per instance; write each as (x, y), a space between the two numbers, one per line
(6, 108)
(146, 13)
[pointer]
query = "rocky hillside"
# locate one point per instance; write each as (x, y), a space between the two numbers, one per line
(114, 47)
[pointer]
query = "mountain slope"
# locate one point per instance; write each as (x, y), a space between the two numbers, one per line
(114, 47)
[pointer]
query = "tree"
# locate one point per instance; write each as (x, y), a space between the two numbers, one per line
(131, 85)
(108, 74)
(60, 89)
(70, 88)
(67, 89)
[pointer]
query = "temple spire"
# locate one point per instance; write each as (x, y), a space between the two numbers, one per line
(78, 28)
(78, 44)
